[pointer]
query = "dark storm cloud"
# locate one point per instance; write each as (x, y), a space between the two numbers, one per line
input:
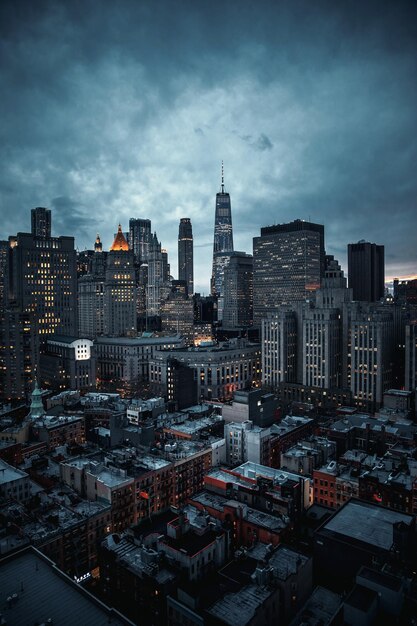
(113, 110)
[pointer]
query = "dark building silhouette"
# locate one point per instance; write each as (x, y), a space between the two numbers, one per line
(405, 291)
(43, 281)
(41, 222)
(119, 289)
(366, 271)
(288, 264)
(182, 391)
(140, 238)
(223, 239)
(185, 254)
(238, 291)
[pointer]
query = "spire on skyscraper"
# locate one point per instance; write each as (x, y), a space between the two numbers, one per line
(119, 242)
(223, 238)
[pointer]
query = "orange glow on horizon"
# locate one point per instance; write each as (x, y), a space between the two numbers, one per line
(390, 279)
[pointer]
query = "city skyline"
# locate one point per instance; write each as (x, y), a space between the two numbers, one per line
(311, 108)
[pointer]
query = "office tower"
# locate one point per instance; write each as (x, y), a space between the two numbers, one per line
(405, 291)
(370, 340)
(177, 312)
(223, 239)
(90, 306)
(19, 353)
(279, 348)
(185, 254)
(4, 296)
(41, 222)
(303, 342)
(366, 271)
(166, 268)
(43, 281)
(91, 295)
(288, 264)
(120, 289)
(158, 276)
(238, 291)
(4, 274)
(321, 343)
(140, 238)
(411, 357)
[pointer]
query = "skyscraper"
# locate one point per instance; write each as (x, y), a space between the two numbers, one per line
(223, 239)
(238, 291)
(185, 254)
(120, 289)
(288, 264)
(44, 281)
(91, 295)
(140, 238)
(40, 299)
(41, 222)
(366, 271)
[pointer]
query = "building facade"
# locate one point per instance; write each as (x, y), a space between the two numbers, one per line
(120, 289)
(366, 271)
(238, 291)
(140, 238)
(219, 371)
(185, 254)
(288, 265)
(41, 222)
(223, 239)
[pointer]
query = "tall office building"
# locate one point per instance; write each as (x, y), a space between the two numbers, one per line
(41, 222)
(91, 295)
(155, 277)
(288, 264)
(185, 254)
(223, 239)
(140, 238)
(370, 340)
(279, 348)
(177, 312)
(411, 357)
(120, 289)
(303, 342)
(238, 291)
(43, 281)
(366, 271)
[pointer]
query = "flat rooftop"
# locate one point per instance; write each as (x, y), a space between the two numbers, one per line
(365, 522)
(238, 608)
(320, 608)
(8, 473)
(40, 592)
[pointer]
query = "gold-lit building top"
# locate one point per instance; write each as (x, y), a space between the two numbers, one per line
(119, 242)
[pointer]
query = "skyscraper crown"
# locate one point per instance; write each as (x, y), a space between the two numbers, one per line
(119, 242)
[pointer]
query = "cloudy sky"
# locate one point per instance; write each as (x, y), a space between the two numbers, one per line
(111, 110)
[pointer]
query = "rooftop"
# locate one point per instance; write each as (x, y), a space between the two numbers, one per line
(9, 474)
(382, 579)
(239, 608)
(361, 598)
(365, 522)
(37, 588)
(319, 610)
(137, 341)
(254, 470)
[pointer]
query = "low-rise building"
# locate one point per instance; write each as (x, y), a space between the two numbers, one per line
(57, 430)
(14, 484)
(68, 363)
(308, 455)
(218, 370)
(125, 360)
